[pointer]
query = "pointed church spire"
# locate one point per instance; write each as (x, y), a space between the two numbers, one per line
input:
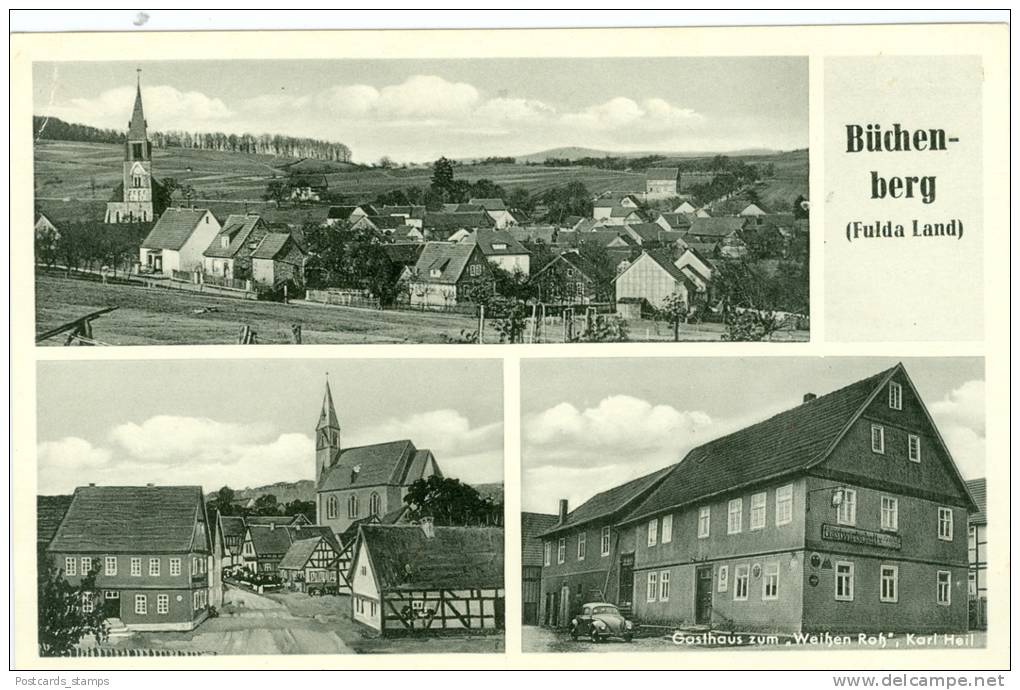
(327, 418)
(137, 126)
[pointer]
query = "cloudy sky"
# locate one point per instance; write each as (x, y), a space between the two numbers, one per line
(416, 110)
(247, 423)
(590, 424)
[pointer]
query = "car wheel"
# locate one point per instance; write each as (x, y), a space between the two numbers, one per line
(573, 634)
(595, 637)
(628, 638)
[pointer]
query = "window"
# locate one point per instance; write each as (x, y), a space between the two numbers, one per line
(570, 273)
(914, 448)
(112, 594)
(88, 602)
(141, 604)
(895, 396)
(86, 565)
(249, 549)
(844, 581)
(946, 524)
(435, 272)
(664, 585)
(878, 439)
(724, 578)
(162, 604)
(944, 592)
(375, 505)
(890, 513)
(972, 584)
(561, 550)
(846, 513)
(475, 270)
(153, 567)
(332, 508)
(653, 586)
(175, 566)
(605, 541)
(548, 553)
(704, 522)
(110, 565)
(667, 529)
(352, 507)
(70, 566)
(136, 567)
(582, 545)
(758, 510)
(889, 590)
(784, 505)
(740, 581)
(653, 531)
(735, 516)
(770, 582)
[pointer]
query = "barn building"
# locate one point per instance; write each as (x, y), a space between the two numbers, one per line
(443, 274)
(278, 258)
(661, 183)
(423, 579)
(354, 483)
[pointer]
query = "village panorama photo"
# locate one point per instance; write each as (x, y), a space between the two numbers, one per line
(749, 504)
(502, 200)
(361, 512)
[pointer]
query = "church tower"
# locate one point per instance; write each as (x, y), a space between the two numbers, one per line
(134, 202)
(327, 436)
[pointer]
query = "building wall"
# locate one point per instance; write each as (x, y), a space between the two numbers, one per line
(511, 263)
(181, 616)
(190, 255)
(364, 587)
(432, 295)
(588, 579)
(978, 557)
(662, 187)
(646, 279)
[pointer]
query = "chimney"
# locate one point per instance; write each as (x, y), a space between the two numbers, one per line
(150, 484)
(354, 473)
(808, 397)
(563, 510)
(427, 527)
(272, 526)
(92, 483)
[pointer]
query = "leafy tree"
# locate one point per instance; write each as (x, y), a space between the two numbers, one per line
(63, 620)
(299, 507)
(442, 175)
(343, 257)
(450, 502)
(751, 325)
(603, 328)
(518, 197)
(223, 502)
(266, 504)
(277, 191)
(674, 310)
(571, 199)
(512, 321)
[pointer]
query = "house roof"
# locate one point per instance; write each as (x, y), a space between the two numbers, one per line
(395, 463)
(979, 493)
(340, 212)
(463, 208)
(272, 246)
(274, 539)
(534, 233)
(532, 527)
(387, 222)
(498, 243)
(703, 249)
(349, 534)
(677, 221)
(131, 518)
(650, 232)
(605, 237)
(299, 552)
(610, 502)
(448, 258)
(577, 260)
(232, 527)
(276, 520)
(237, 228)
(403, 253)
(715, 227)
(613, 199)
(404, 558)
(665, 261)
(173, 228)
(663, 173)
(455, 220)
(624, 212)
(489, 204)
(49, 511)
(409, 211)
(788, 442)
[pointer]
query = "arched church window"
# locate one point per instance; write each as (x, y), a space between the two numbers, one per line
(352, 507)
(332, 507)
(375, 505)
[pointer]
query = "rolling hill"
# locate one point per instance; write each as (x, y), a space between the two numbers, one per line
(575, 152)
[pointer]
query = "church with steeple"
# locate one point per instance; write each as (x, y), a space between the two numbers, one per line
(363, 484)
(138, 198)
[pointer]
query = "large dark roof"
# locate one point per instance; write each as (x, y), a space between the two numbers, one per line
(49, 511)
(396, 463)
(236, 228)
(449, 258)
(588, 268)
(715, 227)
(663, 173)
(612, 501)
(457, 220)
(532, 527)
(404, 558)
(131, 518)
(299, 552)
(403, 253)
(498, 243)
(494, 204)
(979, 493)
(787, 442)
(173, 228)
(272, 246)
(277, 539)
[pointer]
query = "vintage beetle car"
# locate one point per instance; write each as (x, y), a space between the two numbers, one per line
(600, 621)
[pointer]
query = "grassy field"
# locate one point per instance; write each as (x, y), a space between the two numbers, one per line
(156, 316)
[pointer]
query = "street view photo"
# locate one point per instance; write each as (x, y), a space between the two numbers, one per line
(742, 503)
(425, 201)
(361, 512)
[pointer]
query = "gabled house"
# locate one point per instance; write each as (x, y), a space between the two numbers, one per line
(230, 531)
(650, 279)
(844, 514)
(723, 232)
(443, 272)
(278, 258)
(347, 214)
(693, 257)
(501, 248)
(685, 208)
(615, 208)
(662, 182)
(354, 483)
(265, 544)
(307, 186)
(178, 240)
(501, 215)
(229, 254)
(752, 210)
(438, 226)
(311, 565)
(977, 548)
(417, 579)
(680, 222)
(151, 548)
(573, 279)
(585, 558)
(412, 215)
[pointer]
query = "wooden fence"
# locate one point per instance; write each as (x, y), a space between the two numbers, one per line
(119, 651)
(344, 298)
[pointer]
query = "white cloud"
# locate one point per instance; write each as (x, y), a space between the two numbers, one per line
(960, 416)
(165, 108)
(166, 437)
(427, 96)
(625, 113)
(514, 110)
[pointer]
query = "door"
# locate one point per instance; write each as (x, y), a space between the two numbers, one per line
(111, 604)
(564, 616)
(703, 596)
(626, 599)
